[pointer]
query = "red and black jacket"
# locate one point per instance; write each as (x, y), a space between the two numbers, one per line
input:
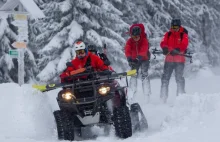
(172, 41)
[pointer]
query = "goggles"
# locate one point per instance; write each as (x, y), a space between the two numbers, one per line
(78, 52)
(175, 27)
(135, 37)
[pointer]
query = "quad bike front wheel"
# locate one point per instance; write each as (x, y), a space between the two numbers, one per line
(65, 127)
(122, 122)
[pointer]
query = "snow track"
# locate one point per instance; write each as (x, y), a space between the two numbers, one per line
(27, 115)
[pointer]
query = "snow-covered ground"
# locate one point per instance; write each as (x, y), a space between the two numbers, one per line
(27, 115)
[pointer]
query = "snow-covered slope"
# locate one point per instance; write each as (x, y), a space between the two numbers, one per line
(27, 115)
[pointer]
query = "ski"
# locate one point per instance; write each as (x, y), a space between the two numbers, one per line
(49, 87)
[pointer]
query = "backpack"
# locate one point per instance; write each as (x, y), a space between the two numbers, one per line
(104, 58)
(181, 34)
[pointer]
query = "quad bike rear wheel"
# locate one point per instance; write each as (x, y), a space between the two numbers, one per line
(65, 127)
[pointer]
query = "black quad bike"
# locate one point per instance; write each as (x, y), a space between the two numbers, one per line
(84, 103)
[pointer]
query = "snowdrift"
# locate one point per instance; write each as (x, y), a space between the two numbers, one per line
(194, 118)
(27, 115)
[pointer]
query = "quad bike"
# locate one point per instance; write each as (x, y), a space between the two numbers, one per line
(84, 103)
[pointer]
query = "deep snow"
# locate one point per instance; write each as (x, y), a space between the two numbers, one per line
(27, 115)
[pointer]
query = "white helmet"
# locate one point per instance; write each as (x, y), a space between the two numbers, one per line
(79, 45)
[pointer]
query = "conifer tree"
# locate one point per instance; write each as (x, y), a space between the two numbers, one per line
(96, 22)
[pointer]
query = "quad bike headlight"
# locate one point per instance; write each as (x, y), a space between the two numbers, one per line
(103, 90)
(68, 96)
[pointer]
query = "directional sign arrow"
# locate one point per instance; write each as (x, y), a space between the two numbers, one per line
(19, 45)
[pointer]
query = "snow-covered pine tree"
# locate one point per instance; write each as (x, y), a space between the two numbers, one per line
(208, 13)
(100, 24)
(54, 37)
(7, 36)
(9, 66)
(96, 22)
(157, 15)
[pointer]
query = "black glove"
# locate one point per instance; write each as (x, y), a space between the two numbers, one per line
(105, 72)
(132, 65)
(89, 69)
(138, 60)
(69, 64)
(175, 51)
(129, 59)
(165, 51)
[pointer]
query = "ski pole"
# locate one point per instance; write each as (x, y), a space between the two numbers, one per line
(105, 51)
(156, 51)
(188, 55)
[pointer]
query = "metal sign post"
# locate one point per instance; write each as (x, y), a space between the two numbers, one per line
(20, 20)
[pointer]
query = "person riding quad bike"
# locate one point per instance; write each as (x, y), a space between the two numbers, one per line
(91, 97)
(84, 59)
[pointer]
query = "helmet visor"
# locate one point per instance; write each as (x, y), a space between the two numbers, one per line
(78, 52)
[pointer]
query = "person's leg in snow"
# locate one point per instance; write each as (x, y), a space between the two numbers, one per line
(167, 72)
(132, 88)
(180, 80)
(145, 79)
(133, 85)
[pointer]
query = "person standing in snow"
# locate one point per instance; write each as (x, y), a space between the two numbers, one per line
(174, 43)
(138, 57)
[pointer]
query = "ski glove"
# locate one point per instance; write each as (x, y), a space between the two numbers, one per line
(175, 51)
(165, 50)
(129, 59)
(69, 64)
(138, 60)
(133, 65)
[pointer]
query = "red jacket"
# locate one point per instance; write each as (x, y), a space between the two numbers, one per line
(96, 63)
(175, 41)
(134, 49)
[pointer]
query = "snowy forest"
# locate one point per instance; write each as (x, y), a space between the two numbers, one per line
(100, 22)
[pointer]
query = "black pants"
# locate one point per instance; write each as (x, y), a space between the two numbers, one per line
(168, 70)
